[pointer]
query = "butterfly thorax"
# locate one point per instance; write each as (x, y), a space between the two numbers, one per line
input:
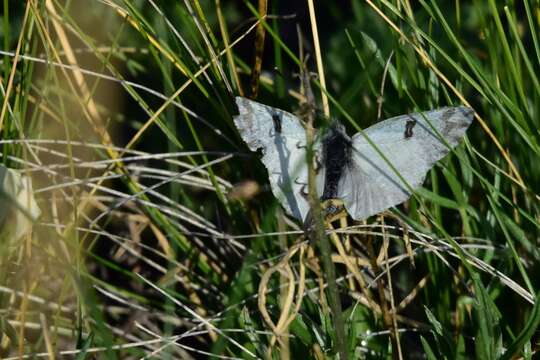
(337, 147)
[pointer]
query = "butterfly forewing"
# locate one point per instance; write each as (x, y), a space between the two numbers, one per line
(412, 144)
(282, 139)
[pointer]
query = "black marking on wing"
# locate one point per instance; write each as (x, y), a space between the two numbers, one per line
(276, 118)
(409, 128)
(304, 192)
(317, 164)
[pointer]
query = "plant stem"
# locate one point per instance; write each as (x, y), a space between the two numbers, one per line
(315, 231)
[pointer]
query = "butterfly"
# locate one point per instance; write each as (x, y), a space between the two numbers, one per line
(350, 168)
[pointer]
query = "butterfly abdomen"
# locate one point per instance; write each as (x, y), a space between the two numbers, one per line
(337, 147)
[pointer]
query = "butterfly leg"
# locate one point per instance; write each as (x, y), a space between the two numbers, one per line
(333, 209)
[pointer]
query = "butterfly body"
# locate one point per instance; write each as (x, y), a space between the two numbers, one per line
(370, 172)
(336, 149)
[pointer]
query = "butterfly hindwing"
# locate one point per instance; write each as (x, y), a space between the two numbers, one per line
(412, 144)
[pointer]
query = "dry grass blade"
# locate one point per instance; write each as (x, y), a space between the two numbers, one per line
(259, 49)
(195, 315)
(91, 107)
(318, 58)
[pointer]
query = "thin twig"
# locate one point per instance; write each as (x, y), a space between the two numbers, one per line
(314, 222)
(259, 49)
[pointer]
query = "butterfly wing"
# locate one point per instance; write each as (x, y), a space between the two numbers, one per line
(412, 144)
(282, 139)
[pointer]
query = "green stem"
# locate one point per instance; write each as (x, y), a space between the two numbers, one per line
(333, 292)
(315, 231)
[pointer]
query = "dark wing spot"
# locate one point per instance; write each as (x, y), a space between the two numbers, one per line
(303, 189)
(276, 118)
(409, 128)
(304, 192)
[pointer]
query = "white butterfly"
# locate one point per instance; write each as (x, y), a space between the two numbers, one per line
(356, 174)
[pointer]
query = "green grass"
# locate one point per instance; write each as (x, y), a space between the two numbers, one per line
(141, 252)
